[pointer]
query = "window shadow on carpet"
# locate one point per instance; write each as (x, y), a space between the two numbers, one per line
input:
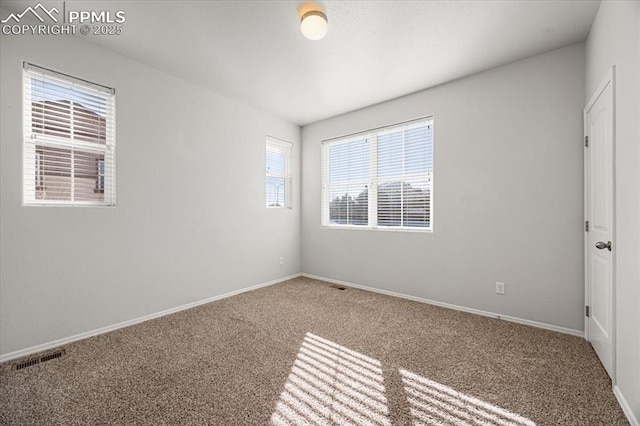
(332, 384)
(434, 403)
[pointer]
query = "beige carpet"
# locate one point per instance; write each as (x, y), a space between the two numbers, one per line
(303, 352)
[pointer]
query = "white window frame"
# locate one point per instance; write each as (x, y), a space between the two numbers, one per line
(372, 180)
(33, 171)
(279, 146)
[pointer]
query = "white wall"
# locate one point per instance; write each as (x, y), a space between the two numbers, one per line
(508, 195)
(615, 40)
(190, 223)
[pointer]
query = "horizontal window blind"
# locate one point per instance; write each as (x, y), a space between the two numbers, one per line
(278, 173)
(349, 174)
(69, 140)
(380, 179)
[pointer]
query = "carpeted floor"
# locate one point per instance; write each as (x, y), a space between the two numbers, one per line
(303, 352)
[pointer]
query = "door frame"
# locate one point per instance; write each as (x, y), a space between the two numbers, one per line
(609, 79)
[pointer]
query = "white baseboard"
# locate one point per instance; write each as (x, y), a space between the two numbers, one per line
(67, 340)
(626, 408)
(537, 324)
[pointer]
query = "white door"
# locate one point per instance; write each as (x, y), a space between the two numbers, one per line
(599, 123)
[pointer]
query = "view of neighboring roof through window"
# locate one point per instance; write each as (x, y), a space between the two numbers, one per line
(69, 140)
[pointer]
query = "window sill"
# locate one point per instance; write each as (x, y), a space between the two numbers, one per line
(58, 204)
(382, 228)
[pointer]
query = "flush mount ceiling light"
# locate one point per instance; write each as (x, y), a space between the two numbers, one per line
(314, 24)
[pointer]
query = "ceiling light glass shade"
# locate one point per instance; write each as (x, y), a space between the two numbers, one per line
(314, 25)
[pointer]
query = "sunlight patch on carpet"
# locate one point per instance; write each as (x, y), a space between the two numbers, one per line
(330, 383)
(435, 403)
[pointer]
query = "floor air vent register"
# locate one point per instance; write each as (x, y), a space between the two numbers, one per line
(33, 361)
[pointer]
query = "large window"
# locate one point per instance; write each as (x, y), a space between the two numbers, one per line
(69, 140)
(278, 173)
(380, 179)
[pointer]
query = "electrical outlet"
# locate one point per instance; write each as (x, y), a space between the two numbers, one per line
(281, 261)
(500, 288)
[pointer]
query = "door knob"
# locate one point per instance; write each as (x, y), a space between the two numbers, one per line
(602, 245)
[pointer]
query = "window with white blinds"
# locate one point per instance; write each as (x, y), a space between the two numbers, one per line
(278, 173)
(380, 179)
(69, 140)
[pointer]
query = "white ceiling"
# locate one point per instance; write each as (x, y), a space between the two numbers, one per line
(253, 51)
